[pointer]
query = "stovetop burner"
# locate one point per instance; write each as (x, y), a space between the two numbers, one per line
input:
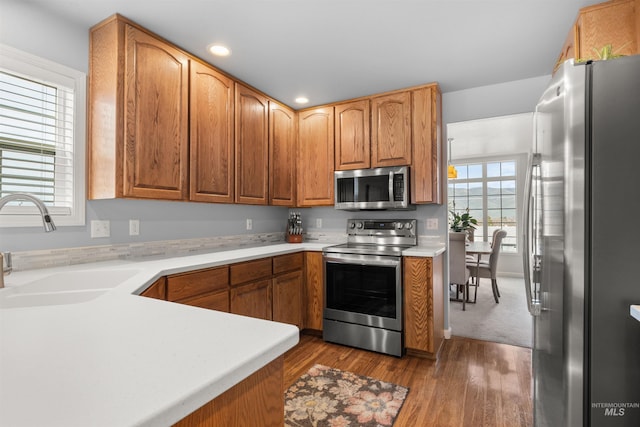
(377, 237)
(357, 248)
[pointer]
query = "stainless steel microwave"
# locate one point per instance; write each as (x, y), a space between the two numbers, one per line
(373, 189)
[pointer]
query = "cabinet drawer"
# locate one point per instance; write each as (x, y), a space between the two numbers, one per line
(187, 285)
(216, 301)
(288, 262)
(250, 270)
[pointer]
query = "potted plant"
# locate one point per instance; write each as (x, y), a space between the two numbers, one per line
(463, 222)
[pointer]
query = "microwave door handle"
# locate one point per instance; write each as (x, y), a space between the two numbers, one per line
(391, 196)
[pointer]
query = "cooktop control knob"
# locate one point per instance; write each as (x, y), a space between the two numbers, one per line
(359, 225)
(409, 226)
(399, 225)
(352, 225)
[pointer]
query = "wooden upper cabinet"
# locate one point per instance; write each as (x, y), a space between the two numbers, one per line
(615, 23)
(391, 130)
(426, 123)
(352, 145)
(211, 130)
(282, 155)
(315, 167)
(252, 146)
(138, 114)
(156, 116)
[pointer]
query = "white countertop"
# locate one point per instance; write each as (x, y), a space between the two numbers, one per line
(125, 360)
(635, 312)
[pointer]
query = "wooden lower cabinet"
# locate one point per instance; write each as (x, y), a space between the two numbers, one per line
(252, 299)
(423, 305)
(216, 301)
(207, 288)
(287, 298)
(313, 290)
(157, 290)
(258, 400)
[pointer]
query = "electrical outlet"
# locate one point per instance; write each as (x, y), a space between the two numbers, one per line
(249, 224)
(432, 223)
(100, 229)
(134, 227)
(318, 222)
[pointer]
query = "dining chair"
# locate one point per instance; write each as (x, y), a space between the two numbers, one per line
(458, 272)
(488, 269)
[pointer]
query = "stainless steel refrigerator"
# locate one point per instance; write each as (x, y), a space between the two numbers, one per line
(582, 231)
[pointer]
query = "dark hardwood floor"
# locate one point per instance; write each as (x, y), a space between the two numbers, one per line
(474, 383)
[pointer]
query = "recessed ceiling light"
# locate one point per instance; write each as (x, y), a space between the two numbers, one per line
(219, 50)
(302, 100)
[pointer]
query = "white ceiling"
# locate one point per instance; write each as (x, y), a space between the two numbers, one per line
(330, 50)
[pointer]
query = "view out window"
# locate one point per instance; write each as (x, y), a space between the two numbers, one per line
(41, 138)
(488, 189)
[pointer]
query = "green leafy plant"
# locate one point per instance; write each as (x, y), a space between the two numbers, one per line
(606, 52)
(462, 221)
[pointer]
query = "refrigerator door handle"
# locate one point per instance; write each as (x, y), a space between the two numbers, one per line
(532, 304)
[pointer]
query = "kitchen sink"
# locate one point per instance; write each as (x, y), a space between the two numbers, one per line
(52, 298)
(70, 287)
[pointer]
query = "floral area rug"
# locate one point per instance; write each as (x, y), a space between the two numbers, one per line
(328, 397)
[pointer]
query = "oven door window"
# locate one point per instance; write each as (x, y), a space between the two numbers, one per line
(364, 289)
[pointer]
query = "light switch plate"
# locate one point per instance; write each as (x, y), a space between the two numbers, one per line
(318, 222)
(249, 224)
(432, 223)
(100, 229)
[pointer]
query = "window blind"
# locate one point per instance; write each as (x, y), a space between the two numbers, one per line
(36, 140)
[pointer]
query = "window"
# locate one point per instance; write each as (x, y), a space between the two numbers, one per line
(42, 134)
(488, 189)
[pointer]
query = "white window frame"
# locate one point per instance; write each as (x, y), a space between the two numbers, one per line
(520, 160)
(27, 215)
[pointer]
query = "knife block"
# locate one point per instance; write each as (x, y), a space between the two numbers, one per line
(294, 238)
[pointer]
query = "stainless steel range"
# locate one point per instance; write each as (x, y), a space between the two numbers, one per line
(363, 285)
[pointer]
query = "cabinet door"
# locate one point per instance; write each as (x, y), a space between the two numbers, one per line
(423, 305)
(287, 298)
(314, 290)
(352, 135)
(252, 299)
(418, 304)
(614, 22)
(391, 130)
(282, 155)
(156, 118)
(315, 170)
(211, 145)
(427, 146)
(252, 146)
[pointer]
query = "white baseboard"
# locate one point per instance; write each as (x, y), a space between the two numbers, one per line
(447, 334)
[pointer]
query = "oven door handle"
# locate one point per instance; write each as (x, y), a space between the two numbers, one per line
(364, 260)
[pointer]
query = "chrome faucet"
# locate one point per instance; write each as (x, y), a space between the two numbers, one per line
(47, 222)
